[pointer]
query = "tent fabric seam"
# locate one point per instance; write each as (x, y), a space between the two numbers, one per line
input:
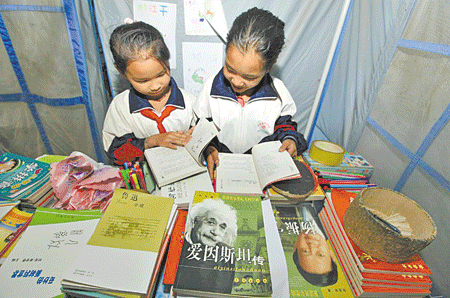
(425, 46)
(416, 160)
(43, 8)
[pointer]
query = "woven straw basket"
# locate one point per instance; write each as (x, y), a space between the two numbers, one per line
(381, 238)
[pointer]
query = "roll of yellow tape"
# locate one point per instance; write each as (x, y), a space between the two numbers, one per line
(326, 153)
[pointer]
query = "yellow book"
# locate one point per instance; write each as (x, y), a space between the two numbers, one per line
(11, 223)
(122, 252)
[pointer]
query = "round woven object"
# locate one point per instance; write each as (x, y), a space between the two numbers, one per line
(367, 222)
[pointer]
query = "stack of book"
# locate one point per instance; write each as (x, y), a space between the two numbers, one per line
(224, 251)
(312, 266)
(126, 249)
(368, 276)
(51, 241)
(183, 191)
(13, 222)
(25, 179)
(353, 174)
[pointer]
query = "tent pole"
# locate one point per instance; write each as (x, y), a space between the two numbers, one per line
(340, 25)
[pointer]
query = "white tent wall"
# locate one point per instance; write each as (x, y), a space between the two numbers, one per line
(52, 95)
(388, 99)
(370, 35)
(309, 30)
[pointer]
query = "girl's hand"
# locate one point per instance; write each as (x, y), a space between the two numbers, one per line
(212, 159)
(189, 132)
(290, 146)
(168, 139)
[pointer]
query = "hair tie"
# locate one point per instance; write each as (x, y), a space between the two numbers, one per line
(129, 21)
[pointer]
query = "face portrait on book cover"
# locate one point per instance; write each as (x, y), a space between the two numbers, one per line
(314, 259)
(211, 231)
(211, 223)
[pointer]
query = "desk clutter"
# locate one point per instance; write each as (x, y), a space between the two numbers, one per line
(72, 227)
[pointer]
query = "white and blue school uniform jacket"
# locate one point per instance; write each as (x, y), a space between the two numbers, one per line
(125, 128)
(267, 116)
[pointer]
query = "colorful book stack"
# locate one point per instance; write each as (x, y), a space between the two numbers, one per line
(353, 174)
(368, 276)
(25, 179)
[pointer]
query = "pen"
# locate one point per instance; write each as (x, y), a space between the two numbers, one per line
(140, 176)
(125, 178)
(351, 185)
(385, 222)
(214, 177)
(135, 179)
(126, 169)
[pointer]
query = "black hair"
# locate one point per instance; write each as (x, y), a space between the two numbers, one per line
(259, 30)
(130, 42)
(320, 280)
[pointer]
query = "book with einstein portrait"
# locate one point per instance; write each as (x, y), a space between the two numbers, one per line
(224, 252)
(312, 265)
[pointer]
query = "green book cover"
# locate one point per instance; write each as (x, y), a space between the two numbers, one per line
(49, 216)
(21, 177)
(313, 268)
(149, 181)
(224, 251)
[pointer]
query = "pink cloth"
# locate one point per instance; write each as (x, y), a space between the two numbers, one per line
(79, 186)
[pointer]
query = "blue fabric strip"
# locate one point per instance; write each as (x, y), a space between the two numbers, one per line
(23, 85)
(330, 71)
(428, 140)
(416, 159)
(78, 53)
(435, 174)
(105, 47)
(33, 98)
(425, 46)
(12, 55)
(31, 8)
(405, 151)
(40, 127)
(98, 41)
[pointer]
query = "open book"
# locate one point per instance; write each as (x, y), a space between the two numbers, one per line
(169, 165)
(252, 173)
